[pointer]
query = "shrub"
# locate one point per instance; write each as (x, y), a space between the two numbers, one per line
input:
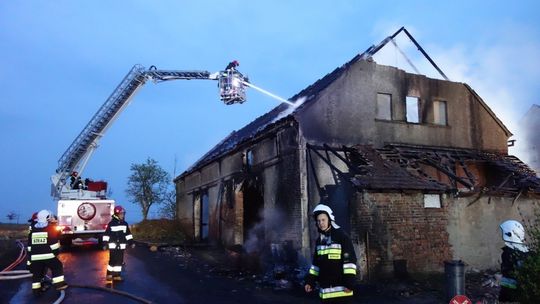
(159, 231)
(528, 275)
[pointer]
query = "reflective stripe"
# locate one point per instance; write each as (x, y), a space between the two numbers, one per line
(58, 279)
(349, 268)
(123, 246)
(314, 270)
(508, 283)
(122, 228)
(106, 238)
(55, 246)
(329, 251)
(112, 245)
(36, 285)
(39, 234)
(334, 292)
(321, 247)
(28, 263)
(129, 237)
(114, 268)
(39, 257)
(29, 249)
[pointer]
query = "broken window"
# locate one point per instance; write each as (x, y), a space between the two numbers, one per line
(412, 109)
(439, 112)
(384, 106)
(432, 201)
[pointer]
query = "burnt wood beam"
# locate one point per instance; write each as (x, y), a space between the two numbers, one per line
(314, 171)
(450, 174)
(466, 170)
(328, 162)
(348, 163)
(505, 181)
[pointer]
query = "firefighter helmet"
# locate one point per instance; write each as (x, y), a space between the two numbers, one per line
(119, 209)
(513, 235)
(43, 216)
(321, 208)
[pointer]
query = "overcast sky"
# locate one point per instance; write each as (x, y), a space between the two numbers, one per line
(60, 60)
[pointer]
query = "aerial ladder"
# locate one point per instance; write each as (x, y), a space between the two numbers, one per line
(75, 158)
(79, 210)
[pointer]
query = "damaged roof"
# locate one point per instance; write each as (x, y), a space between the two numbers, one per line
(278, 115)
(283, 113)
(432, 169)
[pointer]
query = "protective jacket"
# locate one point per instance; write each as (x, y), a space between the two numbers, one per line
(117, 234)
(43, 243)
(43, 247)
(334, 264)
(511, 260)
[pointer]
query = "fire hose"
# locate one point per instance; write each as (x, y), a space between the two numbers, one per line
(9, 274)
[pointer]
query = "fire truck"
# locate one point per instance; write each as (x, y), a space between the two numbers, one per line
(84, 208)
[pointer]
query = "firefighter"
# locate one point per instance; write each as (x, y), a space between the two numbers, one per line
(514, 253)
(232, 65)
(43, 246)
(118, 236)
(334, 260)
(75, 181)
(31, 222)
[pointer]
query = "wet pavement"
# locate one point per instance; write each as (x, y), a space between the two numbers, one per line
(188, 276)
(85, 266)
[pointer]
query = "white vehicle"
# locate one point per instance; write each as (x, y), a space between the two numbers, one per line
(83, 207)
(83, 218)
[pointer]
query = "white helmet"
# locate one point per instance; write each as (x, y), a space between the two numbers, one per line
(513, 235)
(43, 218)
(321, 208)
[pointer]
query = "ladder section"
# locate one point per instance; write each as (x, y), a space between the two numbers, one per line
(101, 120)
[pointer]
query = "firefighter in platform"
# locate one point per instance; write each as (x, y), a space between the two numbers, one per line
(334, 260)
(232, 65)
(43, 247)
(514, 253)
(118, 237)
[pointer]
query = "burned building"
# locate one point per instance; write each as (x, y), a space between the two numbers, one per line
(416, 170)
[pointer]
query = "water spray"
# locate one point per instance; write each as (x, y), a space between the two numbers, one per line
(267, 93)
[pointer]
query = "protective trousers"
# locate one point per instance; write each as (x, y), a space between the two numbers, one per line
(116, 260)
(39, 269)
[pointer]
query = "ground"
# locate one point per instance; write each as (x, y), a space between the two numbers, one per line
(238, 276)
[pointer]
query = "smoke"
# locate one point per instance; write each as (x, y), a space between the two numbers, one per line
(270, 227)
(290, 109)
(502, 67)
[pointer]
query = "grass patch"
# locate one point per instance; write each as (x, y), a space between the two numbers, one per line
(159, 231)
(13, 231)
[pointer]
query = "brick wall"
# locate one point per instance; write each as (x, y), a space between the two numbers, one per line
(398, 227)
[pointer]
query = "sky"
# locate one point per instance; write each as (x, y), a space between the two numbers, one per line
(60, 60)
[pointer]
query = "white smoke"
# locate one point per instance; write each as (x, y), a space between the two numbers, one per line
(502, 69)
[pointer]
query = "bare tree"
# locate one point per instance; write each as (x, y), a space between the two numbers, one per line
(147, 185)
(168, 210)
(12, 215)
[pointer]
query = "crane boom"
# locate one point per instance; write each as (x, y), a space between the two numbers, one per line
(79, 152)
